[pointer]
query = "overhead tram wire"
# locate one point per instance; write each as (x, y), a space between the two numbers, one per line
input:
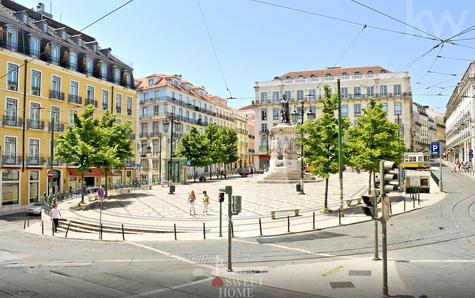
(350, 45)
(395, 19)
(445, 73)
(342, 20)
(214, 50)
(454, 58)
(433, 62)
(64, 40)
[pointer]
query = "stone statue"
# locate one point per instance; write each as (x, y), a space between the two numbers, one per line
(284, 112)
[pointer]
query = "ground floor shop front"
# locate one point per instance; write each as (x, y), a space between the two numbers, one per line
(19, 188)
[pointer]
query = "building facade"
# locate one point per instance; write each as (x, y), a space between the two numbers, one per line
(162, 97)
(440, 125)
(250, 114)
(358, 85)
(240, 126)
(460, 118)
(425, 128)
(51, 72)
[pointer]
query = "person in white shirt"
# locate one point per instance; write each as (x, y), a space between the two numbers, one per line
(55, 215)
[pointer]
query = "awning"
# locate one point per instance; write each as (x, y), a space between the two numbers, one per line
(94, 172)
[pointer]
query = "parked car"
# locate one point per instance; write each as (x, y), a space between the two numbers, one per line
(34, 209)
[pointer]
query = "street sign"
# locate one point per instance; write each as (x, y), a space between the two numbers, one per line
(435, 148)
(236, 205)
(414, 181)
(386, 208)
(50, 174)
(188, 162)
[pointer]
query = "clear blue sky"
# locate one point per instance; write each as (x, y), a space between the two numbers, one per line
(257, 42)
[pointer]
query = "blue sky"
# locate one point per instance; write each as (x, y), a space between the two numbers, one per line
(256, 42)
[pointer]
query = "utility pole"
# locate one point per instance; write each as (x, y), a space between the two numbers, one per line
(340, 154)
(440, 165)
(52, 154)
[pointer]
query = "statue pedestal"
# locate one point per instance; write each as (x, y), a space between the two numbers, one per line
(284, 163)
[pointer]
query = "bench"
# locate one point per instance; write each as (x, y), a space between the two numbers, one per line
(350, 202)
(296, 212)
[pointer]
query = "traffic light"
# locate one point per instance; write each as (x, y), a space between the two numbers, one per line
(221, 197)
(389, 176)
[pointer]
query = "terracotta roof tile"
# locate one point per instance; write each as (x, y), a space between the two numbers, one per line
(334, 71)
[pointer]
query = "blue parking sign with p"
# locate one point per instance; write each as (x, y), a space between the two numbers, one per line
(435, 148)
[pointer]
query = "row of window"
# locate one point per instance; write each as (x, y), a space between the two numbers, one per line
(56, 93)
(383, 92)
(344, 111)
(344, 75)
(53, 51)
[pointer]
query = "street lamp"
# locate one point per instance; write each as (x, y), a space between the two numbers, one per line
(173, 122)
(310, 116)
(149, 160)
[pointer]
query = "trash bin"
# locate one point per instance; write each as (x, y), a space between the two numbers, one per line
(298, 187)
(172, 189)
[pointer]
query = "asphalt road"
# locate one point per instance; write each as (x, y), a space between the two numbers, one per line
(434, 249)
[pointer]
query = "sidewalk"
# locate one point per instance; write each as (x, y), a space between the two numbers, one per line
(341, 277)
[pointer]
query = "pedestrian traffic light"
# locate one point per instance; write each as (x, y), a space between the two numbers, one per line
(221, 197)
(388, 175)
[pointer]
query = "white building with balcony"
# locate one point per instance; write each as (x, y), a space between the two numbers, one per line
(358, 84)
(163, 97)
(425, 128)
(460, 118)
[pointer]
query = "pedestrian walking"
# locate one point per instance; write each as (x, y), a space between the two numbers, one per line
(55, 215)
(191, 202)
(205, 203)
(70, 192)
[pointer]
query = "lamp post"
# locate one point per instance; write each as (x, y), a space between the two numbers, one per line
(149, 160)
(160, 157)
(173, 121)
(310, 116)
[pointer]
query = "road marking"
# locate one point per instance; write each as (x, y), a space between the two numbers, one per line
(286, 247)
(437, 261)
(173, 288)
(170, 255)
(334, 270)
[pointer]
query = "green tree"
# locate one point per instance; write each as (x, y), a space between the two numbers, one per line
(78, 145)
(230, 140)
(372, 139)
(115, 144)
(320, 141)
(194, 147)
(214, 135)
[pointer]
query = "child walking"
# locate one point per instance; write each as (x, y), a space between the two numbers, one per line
(205, 203)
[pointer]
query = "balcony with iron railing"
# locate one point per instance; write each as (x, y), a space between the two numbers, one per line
(35, 160)
(55, 94)
(12, 121)
(90, 101)
(35, 124)
(12, 85)
(55, 162)
(129, 112)
(105, 106)
(129, 163)
(11, 160)
(58, 127)
(118, 109)
(35, 90)
(74, 98)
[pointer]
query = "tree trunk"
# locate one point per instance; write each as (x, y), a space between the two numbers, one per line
(194, 174)
(326, 194)
(369, 183)
(82, 187)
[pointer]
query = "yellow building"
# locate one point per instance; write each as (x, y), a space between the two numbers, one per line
(48, 72)
(240, 123)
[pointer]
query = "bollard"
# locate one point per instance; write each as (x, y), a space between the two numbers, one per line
(260, 226)
(52, 226)
(339, 216)
(232, 230)
(404, 203)
(67, 230)
(204, 231)
(100, 231)
(28, 221)
(123, 234)
(390, 207)
(413, 201)
(174, 230)
(314, 220)
(24, 223)
(418, 197)
(288, 224)
(42, 228)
